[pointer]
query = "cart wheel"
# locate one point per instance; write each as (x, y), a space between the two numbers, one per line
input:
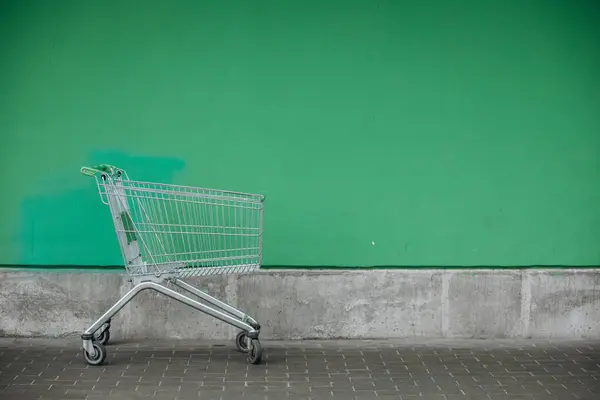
(255, 353)
(240, 342)
(104, 337)
(99, 354)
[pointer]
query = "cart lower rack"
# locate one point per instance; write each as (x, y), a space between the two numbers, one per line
(168, 233)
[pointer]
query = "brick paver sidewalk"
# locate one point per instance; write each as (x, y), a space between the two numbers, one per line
(386, 369)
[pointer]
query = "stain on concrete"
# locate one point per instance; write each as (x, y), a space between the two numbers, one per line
(566, 301)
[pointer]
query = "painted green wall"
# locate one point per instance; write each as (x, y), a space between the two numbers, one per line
(446, 132)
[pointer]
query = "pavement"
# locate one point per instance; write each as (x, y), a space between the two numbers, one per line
(369, 369)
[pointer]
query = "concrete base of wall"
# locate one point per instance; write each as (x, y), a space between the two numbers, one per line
(319, 304)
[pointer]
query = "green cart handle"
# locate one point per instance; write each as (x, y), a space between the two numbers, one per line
(102, 168)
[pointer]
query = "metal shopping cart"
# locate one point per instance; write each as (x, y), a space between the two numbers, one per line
(168, 233)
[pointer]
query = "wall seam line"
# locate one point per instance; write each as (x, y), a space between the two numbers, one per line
(445, 303)
(525, 303)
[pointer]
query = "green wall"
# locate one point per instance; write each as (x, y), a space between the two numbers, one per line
(446, 132)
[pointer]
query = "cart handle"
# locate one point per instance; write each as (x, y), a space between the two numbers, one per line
(101, 168)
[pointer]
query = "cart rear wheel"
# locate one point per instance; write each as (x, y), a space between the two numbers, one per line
(255, 352)
(241, 341)
(104, 337)
(98, 357)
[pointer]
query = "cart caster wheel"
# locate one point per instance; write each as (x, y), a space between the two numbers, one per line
(98, 357)
(240, 342)
(104, 337)
(255, 353)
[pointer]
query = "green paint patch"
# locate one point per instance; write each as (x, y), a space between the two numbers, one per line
(73, 227)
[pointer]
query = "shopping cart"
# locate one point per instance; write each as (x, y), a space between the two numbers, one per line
(168, 233)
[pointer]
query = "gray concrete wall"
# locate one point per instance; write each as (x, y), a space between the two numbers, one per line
(319, 304)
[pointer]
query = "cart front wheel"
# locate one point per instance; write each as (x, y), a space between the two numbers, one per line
(255, 352)
(98, 357)
(241, 341)
(104, 337)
